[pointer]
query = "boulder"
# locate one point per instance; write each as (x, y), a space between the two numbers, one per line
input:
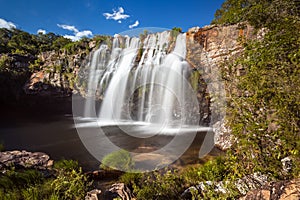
(118, 190)
(25, 159)
(93, 195)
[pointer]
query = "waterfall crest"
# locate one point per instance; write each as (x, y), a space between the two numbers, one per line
(141, 82)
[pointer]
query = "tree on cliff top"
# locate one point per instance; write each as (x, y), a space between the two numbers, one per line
(258, 13)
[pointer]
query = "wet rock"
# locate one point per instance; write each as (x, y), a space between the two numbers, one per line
(93, 195)
(118, 190)
(25, 159)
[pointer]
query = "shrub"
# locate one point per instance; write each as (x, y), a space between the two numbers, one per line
(119, 160)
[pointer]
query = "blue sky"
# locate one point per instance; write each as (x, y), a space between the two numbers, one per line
(77, 18)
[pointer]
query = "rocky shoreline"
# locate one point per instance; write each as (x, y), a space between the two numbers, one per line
(258, 185)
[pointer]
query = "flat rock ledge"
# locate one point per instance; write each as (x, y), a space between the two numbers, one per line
(25, 159)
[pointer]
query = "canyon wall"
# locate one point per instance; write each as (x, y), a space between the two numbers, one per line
(207, 49)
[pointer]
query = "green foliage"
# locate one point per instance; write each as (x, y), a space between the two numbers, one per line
(73, 47)
(60, 42)
(175, 32)
(157, 186)
(194, 79)
(120, 160)
(263, 108)
(263, 111)
(5, 63)
(103, 39)
(143, 35)
(68, 183)
(36, 65)
(213, 170)
(22, 43)
(14, 179)
(260, 13)
(131, 179)
(30, 193)
(177, 29)
(66, 165)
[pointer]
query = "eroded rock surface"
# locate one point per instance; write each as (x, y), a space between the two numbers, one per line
(283, 190)
(25, 159)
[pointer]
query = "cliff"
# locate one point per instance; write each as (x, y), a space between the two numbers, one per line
(207, 48)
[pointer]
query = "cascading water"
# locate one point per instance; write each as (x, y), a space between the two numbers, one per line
(141, 82)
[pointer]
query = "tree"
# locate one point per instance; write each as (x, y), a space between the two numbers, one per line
(264, 114)
(258, 13)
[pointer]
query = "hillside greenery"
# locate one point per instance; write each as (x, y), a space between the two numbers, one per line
(264, 102)
(263, 106)
(20, 54)
(65, 181)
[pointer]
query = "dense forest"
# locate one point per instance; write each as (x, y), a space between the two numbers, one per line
(263, 110)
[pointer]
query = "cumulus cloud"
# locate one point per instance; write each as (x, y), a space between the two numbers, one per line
(68, 27)
(135, 24)
(6, 24)
(116, 15)
(41, 31)
(77, 35)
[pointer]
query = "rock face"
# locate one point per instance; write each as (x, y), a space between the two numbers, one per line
(207, 49)
(118, 190)
(284, 190)
(25, 159)
(93, 195)
(57, 72)
(243, 185)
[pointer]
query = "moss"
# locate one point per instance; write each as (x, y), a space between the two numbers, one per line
(119, 160)
(194, 79)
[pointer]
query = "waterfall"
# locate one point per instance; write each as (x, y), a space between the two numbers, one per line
(141, 82)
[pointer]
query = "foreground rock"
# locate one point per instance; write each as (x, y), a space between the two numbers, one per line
(118, 190)
(93, 195)
(25, 159)
(247, 183)
(283, 190)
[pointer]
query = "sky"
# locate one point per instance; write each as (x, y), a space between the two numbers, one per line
(75, 19)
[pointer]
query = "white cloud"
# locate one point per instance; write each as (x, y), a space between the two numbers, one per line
(116, 15)
(68, 27)
(135, 24)
(41, 31)
(77, 35)
(6, 24)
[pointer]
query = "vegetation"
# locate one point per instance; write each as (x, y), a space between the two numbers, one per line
(263, 110)
(68, 183)
(119, 160)
(175, 32)
(263, 113)
(20, 56)
(20, 42)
